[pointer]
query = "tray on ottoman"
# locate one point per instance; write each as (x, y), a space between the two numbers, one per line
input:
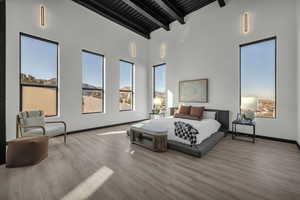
(154, 139)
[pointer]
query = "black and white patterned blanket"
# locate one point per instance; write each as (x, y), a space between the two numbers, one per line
(186, 131)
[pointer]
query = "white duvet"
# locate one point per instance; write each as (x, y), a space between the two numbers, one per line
(205, 127)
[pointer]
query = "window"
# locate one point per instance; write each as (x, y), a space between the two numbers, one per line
(92, 82)
(159, 85)
(126, 86)
(38, 79)
(258, 77)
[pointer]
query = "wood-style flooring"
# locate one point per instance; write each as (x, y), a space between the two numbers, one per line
(102, 164)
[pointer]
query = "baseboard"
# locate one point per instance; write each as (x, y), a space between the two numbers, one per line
(107, 126)
(100, 127)
(268, 138)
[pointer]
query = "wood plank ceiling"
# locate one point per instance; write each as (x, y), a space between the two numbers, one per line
(145, 16)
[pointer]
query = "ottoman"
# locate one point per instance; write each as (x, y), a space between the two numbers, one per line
(155, 140)
(26, 151)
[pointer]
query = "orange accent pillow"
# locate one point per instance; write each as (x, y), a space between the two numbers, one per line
(185, 110)
(197, 112)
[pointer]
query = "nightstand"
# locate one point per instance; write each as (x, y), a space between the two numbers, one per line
(235, 123)
(156, 115)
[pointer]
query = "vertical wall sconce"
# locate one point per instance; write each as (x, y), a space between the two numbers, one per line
(246, 22)
(162, 50)
(133, 50)
(42, 16)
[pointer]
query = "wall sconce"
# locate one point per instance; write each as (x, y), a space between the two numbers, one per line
(133, 50)
(246, 22)
(162, 50)
(42, 15)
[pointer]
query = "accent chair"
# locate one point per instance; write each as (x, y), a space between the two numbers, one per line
(31, 123)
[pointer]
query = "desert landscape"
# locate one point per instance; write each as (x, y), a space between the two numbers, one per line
(39, 98)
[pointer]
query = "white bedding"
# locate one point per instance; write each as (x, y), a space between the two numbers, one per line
(205, 127)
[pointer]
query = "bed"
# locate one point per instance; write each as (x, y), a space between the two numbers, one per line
(211, 131)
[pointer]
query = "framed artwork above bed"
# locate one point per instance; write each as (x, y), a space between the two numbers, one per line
(193, 91)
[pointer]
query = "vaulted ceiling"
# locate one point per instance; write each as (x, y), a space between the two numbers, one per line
(145, 16)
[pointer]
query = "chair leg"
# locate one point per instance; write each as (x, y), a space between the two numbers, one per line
(65, 138)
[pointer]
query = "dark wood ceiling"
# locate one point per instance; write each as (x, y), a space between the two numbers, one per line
(145, 16)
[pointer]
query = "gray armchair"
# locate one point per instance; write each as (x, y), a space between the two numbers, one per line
(31, 123)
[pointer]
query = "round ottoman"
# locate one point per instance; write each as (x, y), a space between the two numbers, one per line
(26, 151)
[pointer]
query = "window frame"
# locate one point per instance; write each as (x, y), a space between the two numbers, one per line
(94, 89)
(132, 91)
(34, 85)
(153, 71)
(240, 72)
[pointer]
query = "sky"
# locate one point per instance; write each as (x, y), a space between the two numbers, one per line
(125, 74)
(258, 70)
(92, 69)
(38, 58)
(160, 78)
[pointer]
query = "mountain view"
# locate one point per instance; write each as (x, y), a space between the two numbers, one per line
(125, 98)
(29, 79)
(39, 97)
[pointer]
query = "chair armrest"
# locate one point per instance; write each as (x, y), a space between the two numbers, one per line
(41, 127)
(58, 122)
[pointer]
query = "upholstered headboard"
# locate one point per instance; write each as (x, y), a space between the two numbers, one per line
(222, 116)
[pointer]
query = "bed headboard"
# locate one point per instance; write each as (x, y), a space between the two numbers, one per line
(222, 116)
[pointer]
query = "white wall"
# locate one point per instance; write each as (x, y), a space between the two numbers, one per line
(75, 28)
(207, 46)
(298, 55)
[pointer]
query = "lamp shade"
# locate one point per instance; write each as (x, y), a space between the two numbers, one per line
(157, 101)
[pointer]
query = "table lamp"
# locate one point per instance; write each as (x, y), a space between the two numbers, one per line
(157, 103)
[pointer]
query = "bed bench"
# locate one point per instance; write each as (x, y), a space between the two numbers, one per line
(155, 140)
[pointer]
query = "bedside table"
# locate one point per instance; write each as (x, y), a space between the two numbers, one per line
(156, 115)
(235, 123)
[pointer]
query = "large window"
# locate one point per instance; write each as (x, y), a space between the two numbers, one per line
(159, 86)
(38, 79)
(92, 82)
(258, 77)
(126, 86)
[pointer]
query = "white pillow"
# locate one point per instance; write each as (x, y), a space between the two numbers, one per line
(209, 115)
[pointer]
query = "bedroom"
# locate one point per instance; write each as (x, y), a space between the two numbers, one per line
(205, 46)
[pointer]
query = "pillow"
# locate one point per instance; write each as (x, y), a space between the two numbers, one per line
(182, 116)
(209, 115)
(197, 112)
(185, 110)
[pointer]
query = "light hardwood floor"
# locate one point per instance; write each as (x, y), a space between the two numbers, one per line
(102, 164)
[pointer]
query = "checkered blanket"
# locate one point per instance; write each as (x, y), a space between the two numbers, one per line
(186, 131)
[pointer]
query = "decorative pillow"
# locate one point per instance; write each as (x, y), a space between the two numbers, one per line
(197, 112)
(182, 116)
(209, 115)
(185, 110)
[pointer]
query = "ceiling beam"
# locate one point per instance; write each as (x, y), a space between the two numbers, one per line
(171, 10)
(222, 3)
(146, 12)
(114, 16)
